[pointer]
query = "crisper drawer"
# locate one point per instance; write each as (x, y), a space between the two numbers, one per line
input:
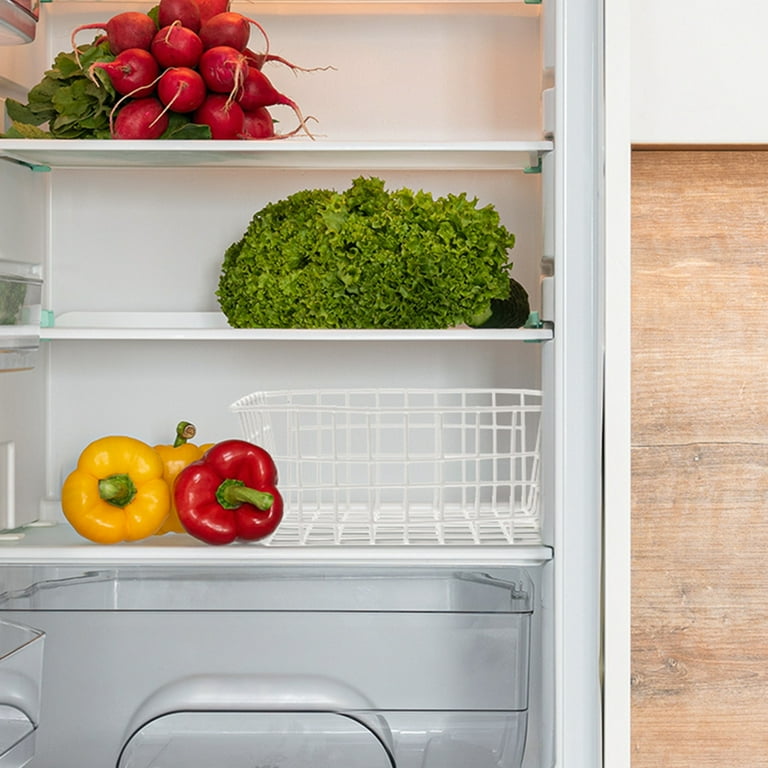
(352, 739)
(21, 660)
(343, 667)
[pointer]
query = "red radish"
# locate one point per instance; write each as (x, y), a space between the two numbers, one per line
(176, 46)
(209, 8)
(187, 12)
(223, 69)
(140, 119)
(232, 29)
(259, 59)
(134, 71)
(257, 91)
(181, 89)
(223, 116)
(130, 29)
(258, 124)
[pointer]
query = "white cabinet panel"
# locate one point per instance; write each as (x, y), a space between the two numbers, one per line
(698, 71)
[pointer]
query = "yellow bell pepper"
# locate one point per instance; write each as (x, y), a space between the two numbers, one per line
(175, 457)
(117, 491)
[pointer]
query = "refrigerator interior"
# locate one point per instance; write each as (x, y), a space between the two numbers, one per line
(447, 97)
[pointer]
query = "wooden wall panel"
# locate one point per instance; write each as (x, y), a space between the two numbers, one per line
(699, 459)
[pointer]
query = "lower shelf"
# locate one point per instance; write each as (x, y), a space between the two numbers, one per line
(58, 543)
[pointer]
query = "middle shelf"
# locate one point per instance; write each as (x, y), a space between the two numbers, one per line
(212, 326)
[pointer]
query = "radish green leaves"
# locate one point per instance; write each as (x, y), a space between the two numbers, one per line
(73, 105)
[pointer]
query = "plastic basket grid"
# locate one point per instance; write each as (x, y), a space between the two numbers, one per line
(385, 466)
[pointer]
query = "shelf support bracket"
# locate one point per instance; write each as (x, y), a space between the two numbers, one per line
(535, 164)
(35, 167)
(535, 321)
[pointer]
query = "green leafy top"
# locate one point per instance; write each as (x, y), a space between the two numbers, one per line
(366, 258)
(71, 104)
(68, 104)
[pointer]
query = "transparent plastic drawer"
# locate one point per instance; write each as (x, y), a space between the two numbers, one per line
(354, 666)
(351, 739)
(21, 666)
(245, 739)
(20, 309)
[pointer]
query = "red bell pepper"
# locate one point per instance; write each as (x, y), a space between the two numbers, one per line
(230, 493)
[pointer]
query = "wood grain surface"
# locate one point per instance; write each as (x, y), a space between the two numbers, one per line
(699, 459)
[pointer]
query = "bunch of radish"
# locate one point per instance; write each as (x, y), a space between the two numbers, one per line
(193, 60)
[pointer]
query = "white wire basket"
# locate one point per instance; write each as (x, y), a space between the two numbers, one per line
(401, 466)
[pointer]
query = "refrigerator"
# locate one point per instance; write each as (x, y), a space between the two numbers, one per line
(432, 597)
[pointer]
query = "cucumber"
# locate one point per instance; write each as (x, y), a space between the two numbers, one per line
(511, 312)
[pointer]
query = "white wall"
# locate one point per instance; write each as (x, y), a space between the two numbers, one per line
(698, 71)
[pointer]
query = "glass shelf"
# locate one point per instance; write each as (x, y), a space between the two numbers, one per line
(47, 154)
(212, 326)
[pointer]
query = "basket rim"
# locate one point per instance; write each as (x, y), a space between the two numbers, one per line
(265, 399)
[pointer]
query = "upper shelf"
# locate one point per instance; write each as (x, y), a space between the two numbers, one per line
(47, 154)
(258, 8)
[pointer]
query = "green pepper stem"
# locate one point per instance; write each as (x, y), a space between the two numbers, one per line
(184, 431)
(118, 490)
(232, 493)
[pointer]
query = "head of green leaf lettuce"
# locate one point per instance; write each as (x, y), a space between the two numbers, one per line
(366, 257)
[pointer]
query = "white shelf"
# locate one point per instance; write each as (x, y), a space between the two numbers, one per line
(44, 154)
(212, 326)
(19, 336)
(257, 8)
(403, 7)
(59, 544)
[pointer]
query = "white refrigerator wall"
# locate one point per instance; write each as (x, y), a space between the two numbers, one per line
(23, 399)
